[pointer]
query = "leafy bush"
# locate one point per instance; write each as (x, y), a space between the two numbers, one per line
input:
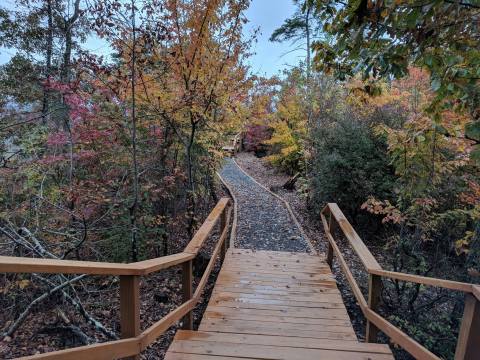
(350, 164)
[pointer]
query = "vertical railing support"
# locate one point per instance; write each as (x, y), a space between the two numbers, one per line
(374, 294)
(331, 229)
(468, 345)
(187, 282)
(223, 225)
(130, 307)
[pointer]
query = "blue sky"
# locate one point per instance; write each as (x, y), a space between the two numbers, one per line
(269, 58)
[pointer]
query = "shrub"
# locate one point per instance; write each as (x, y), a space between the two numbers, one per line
(350, 164)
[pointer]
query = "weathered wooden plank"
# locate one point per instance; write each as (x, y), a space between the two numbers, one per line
(292, 328)
(268, 352)
(271, 290)
(289, 341)
(109, 350)
(231, 301)
(277, 311)
(253, 330)
(253, 316)
(321, 298)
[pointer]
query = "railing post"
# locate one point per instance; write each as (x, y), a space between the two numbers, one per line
(187, 280)
(331, 229)
(130, 307)
(374, 293)
(468, 345)
(223, 224)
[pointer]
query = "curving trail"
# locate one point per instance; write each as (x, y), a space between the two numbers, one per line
(263, 221)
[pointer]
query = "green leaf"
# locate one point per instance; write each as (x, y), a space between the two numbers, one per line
(436, 84)
(475, 154)
(472, 130)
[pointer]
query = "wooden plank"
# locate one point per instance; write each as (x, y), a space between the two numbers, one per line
(274, 311)
(154, 331)
(279, 331)
(279, 271)
(282, 257)
(476, 291)
(447, 284)
(253, 316)
(278, 284)
(110, 350)
(317, 279)
(282, 341)
(232, 276)
(366, 257)
(232, 301)
(259, 324)
(332, 297)
(182, 356)
(148, 266)
(267, 352)
(279, 267)
(271, 290)
(204, 231)
(12, 264)
(397, 336)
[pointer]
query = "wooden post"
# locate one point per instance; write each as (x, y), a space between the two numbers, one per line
(468, 345)
(374, 292)
(130, 307)
(331, 229)
(223, 224)
(187, 292)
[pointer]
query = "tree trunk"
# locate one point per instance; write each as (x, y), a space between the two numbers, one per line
(134, 206)
(48, 63)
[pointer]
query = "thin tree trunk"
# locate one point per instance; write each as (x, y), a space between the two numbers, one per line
(48, 63)
(134, 206)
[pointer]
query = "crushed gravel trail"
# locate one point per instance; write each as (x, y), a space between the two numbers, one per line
(263, 221)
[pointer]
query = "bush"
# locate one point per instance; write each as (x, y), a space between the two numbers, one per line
(350, 164)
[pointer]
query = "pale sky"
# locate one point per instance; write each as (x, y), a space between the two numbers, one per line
(269, 58)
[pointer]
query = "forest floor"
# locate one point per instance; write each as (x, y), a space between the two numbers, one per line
(52, 324)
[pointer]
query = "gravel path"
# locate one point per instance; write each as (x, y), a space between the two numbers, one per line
(263, 221)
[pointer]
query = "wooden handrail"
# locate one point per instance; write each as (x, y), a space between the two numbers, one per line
(134, 341)
(12, 264)
(424, 280)
(468, 345)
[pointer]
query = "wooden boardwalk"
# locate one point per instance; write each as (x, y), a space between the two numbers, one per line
(274, 305)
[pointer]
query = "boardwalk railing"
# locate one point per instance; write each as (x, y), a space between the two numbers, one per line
(468, 344)
(134, 341)
(235, 145)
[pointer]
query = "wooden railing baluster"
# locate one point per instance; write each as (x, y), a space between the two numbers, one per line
(187, 283)
(468, 345)
(331, 230)
(130, 307)
(223, 224)
(374, 292)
